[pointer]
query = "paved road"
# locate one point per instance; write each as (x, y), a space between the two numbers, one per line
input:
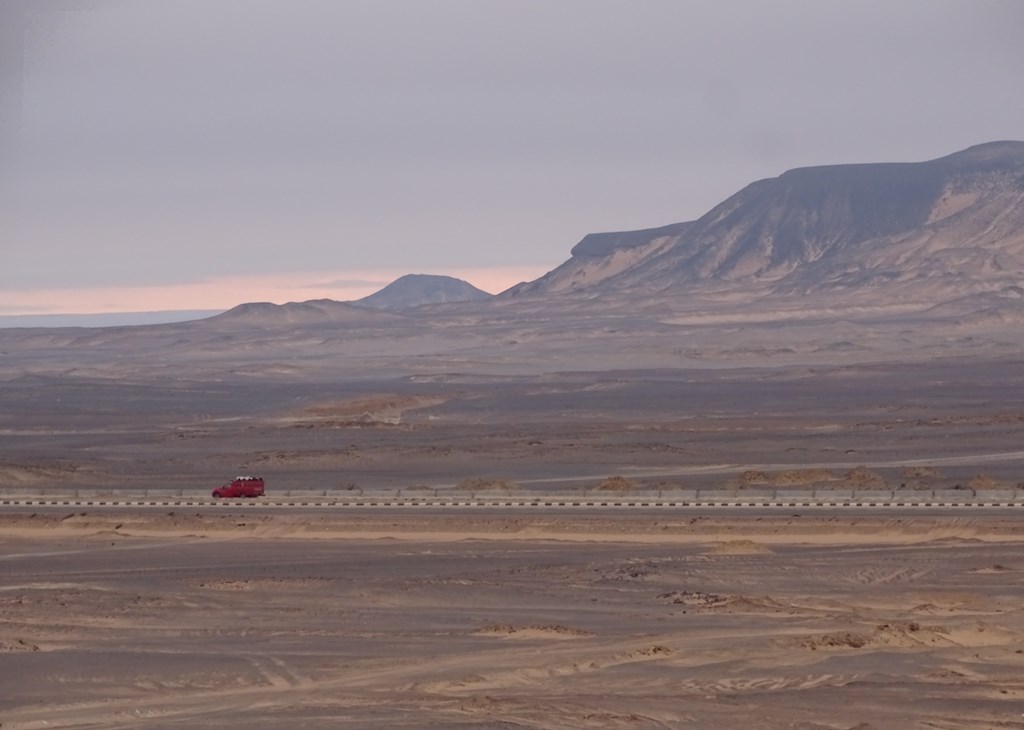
(566, 504)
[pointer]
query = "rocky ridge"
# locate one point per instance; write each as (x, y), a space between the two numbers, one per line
(929, 232)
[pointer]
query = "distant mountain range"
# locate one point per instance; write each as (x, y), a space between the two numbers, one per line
(947, 233)
(925, 233)
(820, 266)
(930, 230)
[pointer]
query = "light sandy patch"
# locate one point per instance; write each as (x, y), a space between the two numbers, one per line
(720, 535)
(738, 547)
(508, 631)
(384, 409)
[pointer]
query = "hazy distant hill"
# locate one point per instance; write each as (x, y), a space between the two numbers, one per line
(931, 230)
(416, 290)
(294, 313)
(105, 319)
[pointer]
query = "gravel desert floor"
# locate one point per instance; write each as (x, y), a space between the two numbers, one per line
(173, 620)
(184, 617)
(937, 425)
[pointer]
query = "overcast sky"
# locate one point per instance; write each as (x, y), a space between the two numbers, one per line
(189, 154)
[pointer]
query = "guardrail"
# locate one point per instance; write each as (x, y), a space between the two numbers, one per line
(450, 494)
(667, 499)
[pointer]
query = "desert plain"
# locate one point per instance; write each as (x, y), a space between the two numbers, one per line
(833, 331)
(239, 617)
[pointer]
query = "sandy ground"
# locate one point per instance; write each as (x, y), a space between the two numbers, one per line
(553, 621)
(459, 621)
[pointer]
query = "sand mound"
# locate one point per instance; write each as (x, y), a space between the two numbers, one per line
(248, 584)
(368, 411)
(695, 599)
(13, 645)
(787, 478)
(920, 472)
(898, 634)
(738, 547)
(997, 568)
(747, 604)
(552, 631)
(799, 477)
(617, 484)
(984, 481)
(701, 601)
(752, 476)
(838, 638)
(478, 484)
(863, 478)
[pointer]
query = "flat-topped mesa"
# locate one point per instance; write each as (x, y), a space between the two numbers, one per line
(936, 230)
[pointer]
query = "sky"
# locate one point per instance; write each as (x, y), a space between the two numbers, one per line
(197, 154)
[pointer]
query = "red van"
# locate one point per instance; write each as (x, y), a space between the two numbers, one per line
(241, 487)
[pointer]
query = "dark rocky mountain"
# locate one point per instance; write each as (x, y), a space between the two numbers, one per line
(930, 231)
(417, 290)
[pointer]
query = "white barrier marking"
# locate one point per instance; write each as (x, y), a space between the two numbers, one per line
(481, 504)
